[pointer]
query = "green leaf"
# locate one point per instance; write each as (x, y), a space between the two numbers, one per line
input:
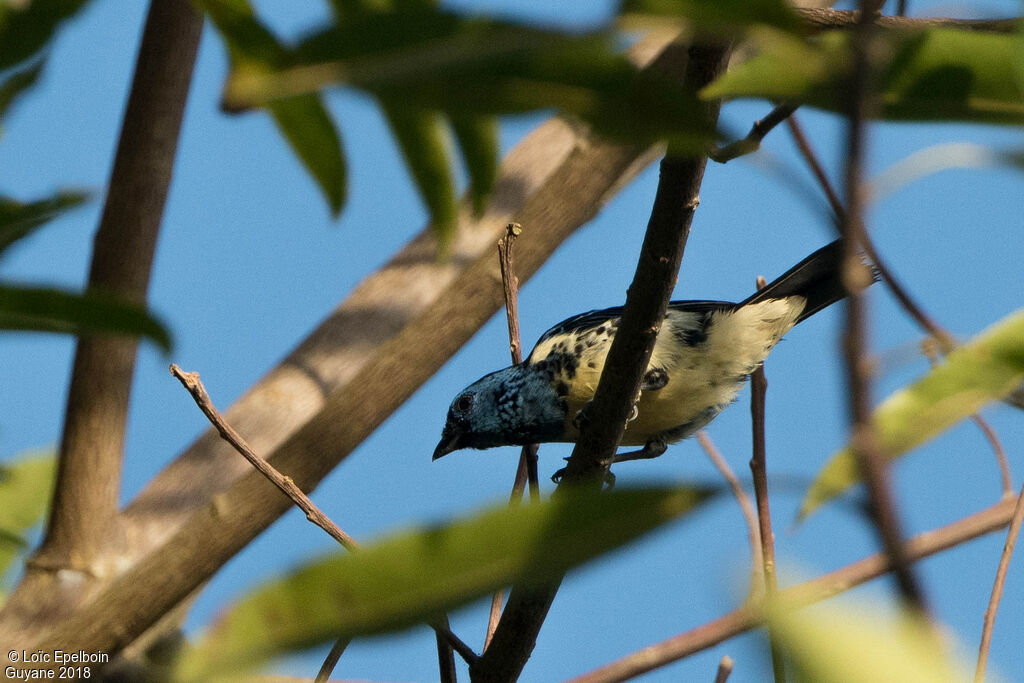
(863, 644)
(729, 16)
(309, 129)
(411, 577)
(986, 369)
(478, 141)
(26, 487)
(425, 147)
(53, 310)
(932, 74)
(15, 84)
(26, 27)
(430, 59)
(18, 219)
(303, 120)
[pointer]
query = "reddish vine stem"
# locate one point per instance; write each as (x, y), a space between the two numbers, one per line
(826, 586)
(997, 588)
(864, 440)
(746, 507)
(943, 338)
(759, 471)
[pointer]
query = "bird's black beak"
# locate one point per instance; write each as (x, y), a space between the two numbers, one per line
(449, 442)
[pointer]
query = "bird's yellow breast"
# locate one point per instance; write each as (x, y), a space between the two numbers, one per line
(703, 377)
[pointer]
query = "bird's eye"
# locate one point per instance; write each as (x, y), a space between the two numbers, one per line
(464, 403)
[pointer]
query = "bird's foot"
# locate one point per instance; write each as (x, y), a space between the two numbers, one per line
(608, 477)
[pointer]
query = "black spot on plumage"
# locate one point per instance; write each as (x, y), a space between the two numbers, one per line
(599, 331)
(562, 389)
(654, 379)
(696, 333)
(578, 349)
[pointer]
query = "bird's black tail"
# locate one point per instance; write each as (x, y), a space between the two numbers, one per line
(818, 278)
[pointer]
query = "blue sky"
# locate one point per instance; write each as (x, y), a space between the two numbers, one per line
(250, 261)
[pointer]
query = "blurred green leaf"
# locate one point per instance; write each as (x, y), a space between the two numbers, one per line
(53, 310)
(478, 141)
(423, 142)
(20, 219)
(304, 121)
(26, 27)
(985, 369)
(932, 74)
(16, 83)
(863, 645)
(26, 486)
(309, 129)
(414, 576)
(430, 59)
(714, 15)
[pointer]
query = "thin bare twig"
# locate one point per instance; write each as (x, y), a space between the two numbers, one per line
(746, 507)
(864, 441)
(526, 471)
(724, 669)
(758, 131)
(327, 668)
(192, 383)
(997, 588)
(510, 286)
(759, 471)
(997, 447)
(826, 586)
(942, 337)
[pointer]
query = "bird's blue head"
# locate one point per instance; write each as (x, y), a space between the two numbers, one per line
(514, 406)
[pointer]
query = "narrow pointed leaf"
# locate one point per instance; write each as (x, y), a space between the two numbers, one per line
(431, 59)
(54, 310)
(727, 16)
(425, 147)
(26, 486)
(304, 120)
(26, 27)
(411, 577)
(16, 83)
(310, 130)
(985, 369)
(478, 142)
(863, 644)
(932, 74)
(20, 219)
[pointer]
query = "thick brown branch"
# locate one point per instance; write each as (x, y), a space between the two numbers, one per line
(826, 586)
(211, 534)
(89, 472)
(646, 303)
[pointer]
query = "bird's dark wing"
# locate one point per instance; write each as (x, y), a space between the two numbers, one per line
(591, 319)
